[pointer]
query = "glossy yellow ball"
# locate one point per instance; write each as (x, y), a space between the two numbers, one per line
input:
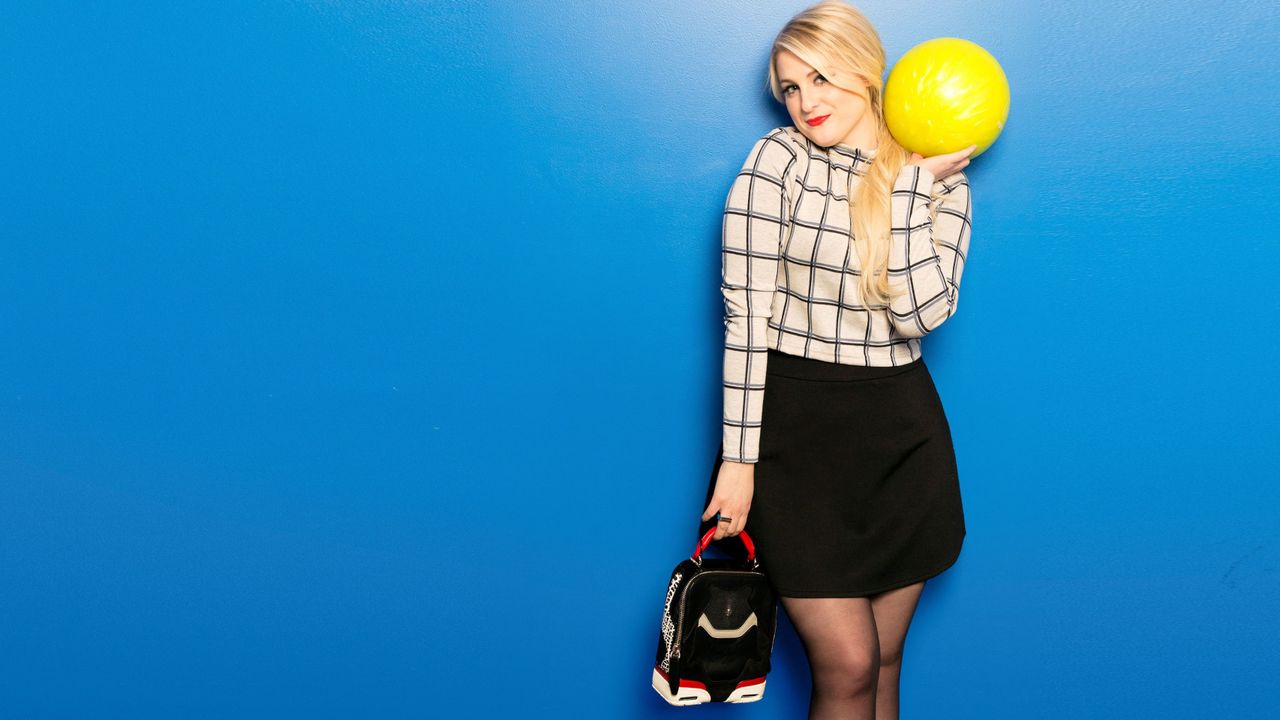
(944, 95)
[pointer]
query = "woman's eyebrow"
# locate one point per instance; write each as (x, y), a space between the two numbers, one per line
(811, 72)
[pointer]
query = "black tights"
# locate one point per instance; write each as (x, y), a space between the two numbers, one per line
(855, 651)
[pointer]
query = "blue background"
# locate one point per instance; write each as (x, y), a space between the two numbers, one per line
(361, 359)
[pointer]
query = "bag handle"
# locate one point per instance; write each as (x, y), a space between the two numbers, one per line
(706, 540)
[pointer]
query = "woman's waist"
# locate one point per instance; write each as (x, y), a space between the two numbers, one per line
(787, 364)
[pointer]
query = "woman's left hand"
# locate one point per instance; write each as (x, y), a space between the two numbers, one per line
(943, 165)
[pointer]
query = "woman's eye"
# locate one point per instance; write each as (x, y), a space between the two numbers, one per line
(820, 79)
(787, 90)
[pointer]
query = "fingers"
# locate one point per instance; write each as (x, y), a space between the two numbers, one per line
(729, 524)
(726, 525)
(956, 161)
(730, 500)
(959, 160)
(713, 511)
(723, 525)
(738, 525)
(952, 156)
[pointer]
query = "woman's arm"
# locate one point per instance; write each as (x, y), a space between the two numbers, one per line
(930, 243)
(756, 218)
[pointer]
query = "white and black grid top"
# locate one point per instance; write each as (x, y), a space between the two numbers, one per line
(790, 273)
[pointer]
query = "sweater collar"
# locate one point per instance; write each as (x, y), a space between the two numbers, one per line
(859, 158)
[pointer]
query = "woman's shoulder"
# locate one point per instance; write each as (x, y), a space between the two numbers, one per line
(781, 147)
(789, 137)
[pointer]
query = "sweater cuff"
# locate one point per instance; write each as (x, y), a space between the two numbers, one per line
(732, 443)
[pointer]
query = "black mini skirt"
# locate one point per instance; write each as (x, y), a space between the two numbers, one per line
(856, 489)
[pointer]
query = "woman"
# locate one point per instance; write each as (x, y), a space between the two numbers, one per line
(835, 443)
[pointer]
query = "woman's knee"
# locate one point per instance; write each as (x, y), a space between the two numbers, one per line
(891, 657)
(849, 672)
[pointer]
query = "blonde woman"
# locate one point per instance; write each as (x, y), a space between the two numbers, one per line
(841, 250)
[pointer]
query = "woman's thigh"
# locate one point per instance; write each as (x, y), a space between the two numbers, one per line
(839, 634)
(893, 610)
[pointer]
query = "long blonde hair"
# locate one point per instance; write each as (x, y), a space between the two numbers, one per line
(839, 42)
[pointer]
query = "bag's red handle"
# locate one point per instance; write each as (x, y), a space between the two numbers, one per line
(743, 536)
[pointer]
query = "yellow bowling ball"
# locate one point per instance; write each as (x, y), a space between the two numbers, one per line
(944, 95)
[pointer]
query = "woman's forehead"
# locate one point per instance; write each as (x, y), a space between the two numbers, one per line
(791, 67)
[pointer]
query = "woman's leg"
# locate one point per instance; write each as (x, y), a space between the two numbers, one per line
(892, 611)
(839, 636)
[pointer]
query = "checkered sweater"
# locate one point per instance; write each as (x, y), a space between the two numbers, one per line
(790, 272)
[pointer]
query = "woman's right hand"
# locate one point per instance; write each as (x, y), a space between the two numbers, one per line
(943, 165)
(735, 484)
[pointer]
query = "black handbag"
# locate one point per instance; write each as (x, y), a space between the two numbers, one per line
(717, 629)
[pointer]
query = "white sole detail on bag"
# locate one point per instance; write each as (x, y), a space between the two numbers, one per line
(705, 623)
(748, 691)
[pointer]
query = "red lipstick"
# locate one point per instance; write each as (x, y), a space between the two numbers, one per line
(815, 122)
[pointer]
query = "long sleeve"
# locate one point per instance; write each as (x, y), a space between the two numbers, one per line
(756, 218)
(930, 243)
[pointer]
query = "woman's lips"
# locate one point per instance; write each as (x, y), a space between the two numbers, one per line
(815, 122)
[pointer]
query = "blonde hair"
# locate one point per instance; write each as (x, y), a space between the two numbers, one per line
(839, 42)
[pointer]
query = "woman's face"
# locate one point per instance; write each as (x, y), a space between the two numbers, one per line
(843, 117)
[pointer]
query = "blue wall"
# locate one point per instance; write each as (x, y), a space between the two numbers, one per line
(361, 359)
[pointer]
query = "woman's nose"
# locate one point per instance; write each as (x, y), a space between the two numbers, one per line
(808, 101)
